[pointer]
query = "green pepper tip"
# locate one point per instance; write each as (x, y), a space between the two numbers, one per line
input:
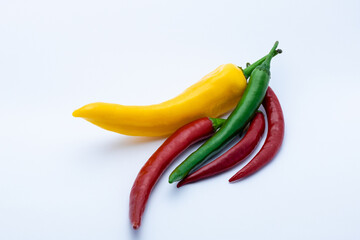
(175, 176)
(171, 178)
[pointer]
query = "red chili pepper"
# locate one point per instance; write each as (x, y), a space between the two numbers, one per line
(273, 140)
(234, 155)
(161, 159)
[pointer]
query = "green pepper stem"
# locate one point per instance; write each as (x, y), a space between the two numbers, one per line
(272, 53)
(248, 70)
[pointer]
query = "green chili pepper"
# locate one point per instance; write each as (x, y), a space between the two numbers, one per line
(246, 108)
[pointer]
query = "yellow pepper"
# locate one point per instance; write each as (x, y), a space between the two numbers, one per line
(214, 95)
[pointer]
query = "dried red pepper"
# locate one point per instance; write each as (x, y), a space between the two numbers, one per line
(234, 155)
(161, 159)
(274, 138)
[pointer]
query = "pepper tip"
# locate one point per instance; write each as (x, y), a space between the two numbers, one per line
(175, 177)
(180, 184)
(75, 113)
(237, 177)
(136, 226)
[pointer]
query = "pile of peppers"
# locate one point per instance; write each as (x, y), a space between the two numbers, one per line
(202, 122)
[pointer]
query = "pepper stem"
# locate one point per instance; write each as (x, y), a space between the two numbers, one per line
(272, 53)
(249, 68)
(217, 122)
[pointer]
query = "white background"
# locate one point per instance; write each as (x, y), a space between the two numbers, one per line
(64, 178)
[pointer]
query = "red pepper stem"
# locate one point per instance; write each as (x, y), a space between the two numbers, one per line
(217, 122)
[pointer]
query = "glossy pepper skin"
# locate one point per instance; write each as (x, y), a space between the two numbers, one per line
(249, 103)
(274, 138)
(214, 95)
(161, 159)
(234, 155)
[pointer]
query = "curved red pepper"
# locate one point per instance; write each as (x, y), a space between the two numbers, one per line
(161, 159)
(274, 138)
(234, 155)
